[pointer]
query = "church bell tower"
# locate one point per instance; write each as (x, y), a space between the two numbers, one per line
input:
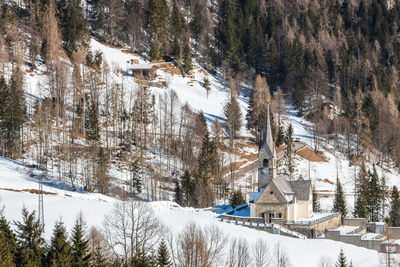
(266, 155)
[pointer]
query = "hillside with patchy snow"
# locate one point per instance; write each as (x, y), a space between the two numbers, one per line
(19, 182)
(190, 90)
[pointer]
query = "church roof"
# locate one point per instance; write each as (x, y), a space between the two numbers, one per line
(282, 184)
(301, 188)
(289, 188)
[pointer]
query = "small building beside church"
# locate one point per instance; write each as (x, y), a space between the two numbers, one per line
(279, 197)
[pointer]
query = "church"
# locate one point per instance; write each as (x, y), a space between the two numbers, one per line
(278, 196)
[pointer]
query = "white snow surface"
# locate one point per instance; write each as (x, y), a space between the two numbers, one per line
(67, 205)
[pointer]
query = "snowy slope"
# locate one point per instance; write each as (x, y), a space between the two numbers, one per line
(323, 174)
(189, 89)
(67, 205)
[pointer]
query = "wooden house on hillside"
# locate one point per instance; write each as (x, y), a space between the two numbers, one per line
(147, 70)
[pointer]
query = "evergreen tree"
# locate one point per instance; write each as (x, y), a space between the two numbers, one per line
(141, 261)
(342, 261)
(178, 193)
(339, 202)
(158, 23)
(187, 61)
(237, 198)
(361, 187)
(59, 253)
(280, 138)
(207, 160)
(289, 151)
(176, 30)
(374, 202)
(73, 25)
(8, 244)
(188, 189)
(12, 114)
(136, 181)
(226, 35)
(273, 62)
(101, 172)
(163, 259)
(316, 204)
(395, 207)
(153, 54)
(92, 121)
(30, 241)
(196, 24)
(79, 248)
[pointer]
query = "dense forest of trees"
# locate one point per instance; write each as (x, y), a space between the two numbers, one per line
(339, 60)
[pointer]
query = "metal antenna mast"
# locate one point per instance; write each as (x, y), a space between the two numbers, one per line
(41, 209)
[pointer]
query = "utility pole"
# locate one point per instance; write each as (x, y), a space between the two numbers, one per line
(41, 208)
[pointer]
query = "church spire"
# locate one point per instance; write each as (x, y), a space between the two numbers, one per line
(267, 137)
(266, 155)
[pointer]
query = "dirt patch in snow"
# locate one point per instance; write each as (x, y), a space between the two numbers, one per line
(310, 155)
(326, 180)
(32, 191)
(236, 166)
(168, 67)
(250, 157)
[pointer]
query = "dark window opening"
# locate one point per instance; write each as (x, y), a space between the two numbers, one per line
(271, 192)
(270, 216)
(279, 215)
(265, 162)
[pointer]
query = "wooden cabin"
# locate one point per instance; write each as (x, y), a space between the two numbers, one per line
(147, 70)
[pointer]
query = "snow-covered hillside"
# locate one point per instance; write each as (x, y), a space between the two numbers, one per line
(323, 174)
(18, 182)
(16, 179)
(190, 90)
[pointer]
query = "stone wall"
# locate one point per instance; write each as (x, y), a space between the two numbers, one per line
(355, 221)
(316, 229)
(393, 232)
(354, 240)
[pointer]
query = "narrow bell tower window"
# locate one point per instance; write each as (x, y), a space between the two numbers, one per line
(265, 162)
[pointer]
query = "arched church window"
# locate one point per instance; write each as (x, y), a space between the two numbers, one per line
(265, 162)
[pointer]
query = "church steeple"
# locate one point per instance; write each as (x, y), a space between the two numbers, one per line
(267, 136)
(266, 155)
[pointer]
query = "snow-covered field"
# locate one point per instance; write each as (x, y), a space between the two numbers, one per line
(67, 205)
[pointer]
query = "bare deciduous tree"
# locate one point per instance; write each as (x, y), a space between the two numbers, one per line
(199, 248)
(281, 258)
(325, 261)
(260, 253)
(239, 255)
(132, 230)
